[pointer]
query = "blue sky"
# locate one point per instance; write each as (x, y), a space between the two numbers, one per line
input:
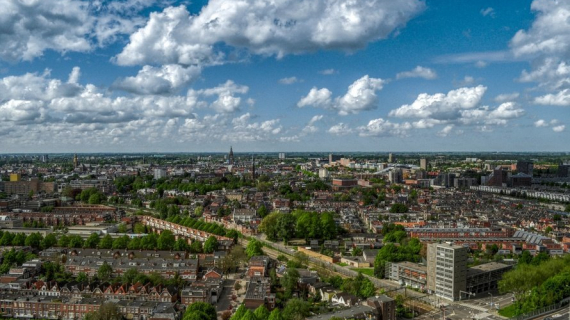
(284, 75)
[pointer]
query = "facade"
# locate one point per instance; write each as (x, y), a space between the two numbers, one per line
(423, 163)
(374, 308)
(159, 174)
(447, 270)
(485, 277)
(407, 273)
(525, 167)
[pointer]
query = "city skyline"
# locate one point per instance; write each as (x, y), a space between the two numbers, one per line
(284, 76)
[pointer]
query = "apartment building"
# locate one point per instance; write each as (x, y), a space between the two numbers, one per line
(447, 270)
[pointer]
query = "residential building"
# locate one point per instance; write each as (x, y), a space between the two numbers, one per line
(447, 270)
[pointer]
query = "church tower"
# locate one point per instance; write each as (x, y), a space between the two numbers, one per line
(231, 156)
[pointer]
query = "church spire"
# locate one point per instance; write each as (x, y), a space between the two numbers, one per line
(231, 156)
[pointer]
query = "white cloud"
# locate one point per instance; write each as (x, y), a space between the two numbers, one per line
(340, 129)
(507, 97)
(226, 102)
(561, 98)
(445, 131)
(540, 123)
(74, 75)
(467, 81)
(481, 64)
(164, 80)
(488, 12)
(418, 72)
(264, 27)
(310, 127)
(441, 106)
(559, 128)
(328, 72)
(380, 127)
(28, 28)
(289, 80)
(317, 98)
(360, 96)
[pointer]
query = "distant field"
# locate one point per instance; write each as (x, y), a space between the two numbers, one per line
(366, 271)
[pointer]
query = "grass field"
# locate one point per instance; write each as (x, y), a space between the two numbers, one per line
(366, 271)
(508, 312)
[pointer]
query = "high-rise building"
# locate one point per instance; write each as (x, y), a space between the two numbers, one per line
(525, 167)
(335, 157)
(423, 163)
(159, 174)
(390, 157)
(447, 270)
(231, 156)
(281, 155)
(75, 161)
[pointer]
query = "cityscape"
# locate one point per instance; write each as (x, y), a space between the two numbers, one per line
(284, 160)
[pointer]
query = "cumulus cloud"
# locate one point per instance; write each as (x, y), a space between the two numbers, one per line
(340, 129)
(559, 128)
(289, 80)
(360, 96)
(561, 98)
(264, 27)
(28, 28)
(457, 107)
(540, 123)
(445, 131)
(507, 97)
(380, 127)
(164, 80)
(441, 106)
(418, 72)
(36, 109)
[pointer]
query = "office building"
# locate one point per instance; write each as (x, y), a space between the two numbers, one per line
(335, 157)
(525, 167)
(281, 155)
(447, 270)
(390, 158)
(159, 174)
(423, 163)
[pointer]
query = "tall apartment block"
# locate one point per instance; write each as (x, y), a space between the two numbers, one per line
(446, 270)
(423, 164)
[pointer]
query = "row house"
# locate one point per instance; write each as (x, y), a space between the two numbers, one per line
(207, 290)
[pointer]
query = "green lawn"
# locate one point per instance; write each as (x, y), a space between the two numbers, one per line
(342, 264)
(366, 271)
(508, 311)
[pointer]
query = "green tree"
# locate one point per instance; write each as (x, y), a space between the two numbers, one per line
(286, 227)
(181, 245)
(92, 241)
(269, 226)
(49, 241)
(19, 240)
(105, 271)
(203, 307)
(139, 228)
(211, 245)
(63, 241)
(106, 242)
(75, 241)
(254, 248)
(240, 312)
(34, 240)
(6, 239)
(95, 198)
(261, 312)
(196, 247)
(275, 315)
(289, 282)
(82, 277)
(107, 311)
(121, 242)
(399, 208)
(296, 309)
(130, 275)
(165, 240)
(262, 211)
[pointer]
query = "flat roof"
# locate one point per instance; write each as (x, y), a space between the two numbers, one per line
(344, 314)
(487, 267)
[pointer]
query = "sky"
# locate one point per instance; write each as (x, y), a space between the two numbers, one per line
(284, 75)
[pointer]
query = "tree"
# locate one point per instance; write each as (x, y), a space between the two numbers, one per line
(62, 242)
(289, 282)
(121, 242)
(106, 242)
(398, 208)
(261, 312)
(75, 241)
(240, 312)
(82, 277)
(107, 311)
(130, 275)
(19, 240)
(254, 248)
(296, 309)
(269, 226)
(6, 239)
(211, 245)
(105, 271)
(286, 227)
(233, 234)
(95, 198)
(181, 245)
(34, 240)
(92, 241)
(49, 241)
(165, 240)
(275, 315)
(205, 308)
(196, 247)
(262, 211)
(122, 228)
(525, 258)
(139, 228)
